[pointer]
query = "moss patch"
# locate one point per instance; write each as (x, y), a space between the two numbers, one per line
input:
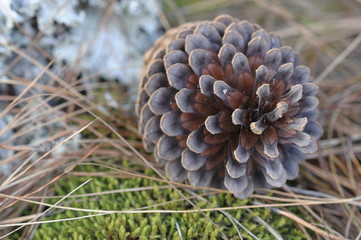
(151, 225)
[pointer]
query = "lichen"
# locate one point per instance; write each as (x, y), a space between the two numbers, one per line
(82, 34)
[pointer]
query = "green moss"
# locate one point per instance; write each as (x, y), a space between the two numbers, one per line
(151, 225)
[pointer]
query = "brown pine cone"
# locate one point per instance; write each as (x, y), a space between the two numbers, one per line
(224, 104)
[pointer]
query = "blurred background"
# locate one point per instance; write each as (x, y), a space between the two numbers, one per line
(66, 64)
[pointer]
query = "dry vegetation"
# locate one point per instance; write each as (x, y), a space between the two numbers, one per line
(328, 35)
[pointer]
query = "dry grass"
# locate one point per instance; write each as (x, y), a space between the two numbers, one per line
(328, 35)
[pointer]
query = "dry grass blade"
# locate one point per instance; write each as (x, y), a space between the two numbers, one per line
(46, 154)
(260, 205)
(15, 101)
(308, 225)
(47, 210)
(326, 32)
(339, 59)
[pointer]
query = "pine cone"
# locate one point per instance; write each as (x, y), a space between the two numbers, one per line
(224, 104)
